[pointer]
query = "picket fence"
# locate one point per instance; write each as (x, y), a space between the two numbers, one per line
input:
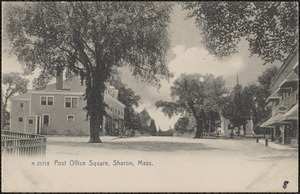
(22, 144)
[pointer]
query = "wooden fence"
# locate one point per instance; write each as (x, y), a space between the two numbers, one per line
(22, 144)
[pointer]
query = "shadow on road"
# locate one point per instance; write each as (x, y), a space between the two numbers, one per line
(138, 146)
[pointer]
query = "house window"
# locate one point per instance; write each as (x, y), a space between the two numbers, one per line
(20, 119)
(50, 100)
(71, 117)
(46, 120)
(71, 102)
(43, 100)
(47, 100)
(21, 106)
(30, 121)
(74, 102)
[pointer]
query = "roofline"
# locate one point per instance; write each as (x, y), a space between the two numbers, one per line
(284, 65)
(115, 100)
(56, 92)
(12, 99)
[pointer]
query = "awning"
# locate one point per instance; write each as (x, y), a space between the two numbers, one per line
(290, 80)
(272, 121)
(292, 114)
(296, 65)
(273, 96)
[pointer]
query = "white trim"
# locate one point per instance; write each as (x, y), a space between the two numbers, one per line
(47, 101)
(71, 106)
(115, 100)
(48, 119)
(57, 92)
(295, 65)
(68, 117)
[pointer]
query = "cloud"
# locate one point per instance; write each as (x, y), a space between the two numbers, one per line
(198, 60)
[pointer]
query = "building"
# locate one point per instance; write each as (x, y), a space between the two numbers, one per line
(245, 129)
(284, 102)
(226, 127)
(58, 109)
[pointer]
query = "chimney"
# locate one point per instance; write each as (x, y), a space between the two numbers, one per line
(59, 80)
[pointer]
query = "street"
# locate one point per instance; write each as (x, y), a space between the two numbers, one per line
(154, 164)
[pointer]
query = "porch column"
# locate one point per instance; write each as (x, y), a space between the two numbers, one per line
(282, 129)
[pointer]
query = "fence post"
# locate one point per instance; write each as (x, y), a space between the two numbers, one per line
(266, 142)
(257, 140)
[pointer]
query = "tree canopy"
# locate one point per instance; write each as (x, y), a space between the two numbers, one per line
(14, 84)
(271, 28)
(91, 39)
(196, 94)
(250, 101)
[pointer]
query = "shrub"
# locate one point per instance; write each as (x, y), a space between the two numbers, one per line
(68, 133)
(53, 132)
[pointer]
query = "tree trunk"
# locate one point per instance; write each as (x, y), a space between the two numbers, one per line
(199, 131)
(95, 106)
(95, 122)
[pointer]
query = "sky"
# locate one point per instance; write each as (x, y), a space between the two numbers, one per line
(186, 55)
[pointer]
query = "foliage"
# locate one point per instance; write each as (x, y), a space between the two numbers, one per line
(136, 123)
(153, 130)
(146, 121)
(4, 114)
(182, 124)
(271, 28)
(266, 78)
(195, 94)
(129, 99)
(14, 84)
(250, 100)
(91, 39)
(165, 133)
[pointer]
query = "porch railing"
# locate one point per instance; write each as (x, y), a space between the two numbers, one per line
(22, 144)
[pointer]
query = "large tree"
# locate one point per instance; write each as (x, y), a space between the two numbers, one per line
(91, 39)
(146, 121)
(271, 28)
(195, 94)
(153, 130)
(182, 124)
(14, 84)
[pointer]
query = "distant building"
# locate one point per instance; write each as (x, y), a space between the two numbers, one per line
(226, 124)
(284, 102)
(58, 109)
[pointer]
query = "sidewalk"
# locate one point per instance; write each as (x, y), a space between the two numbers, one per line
(277, 146)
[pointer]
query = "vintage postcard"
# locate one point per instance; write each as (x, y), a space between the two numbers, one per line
(150, 96)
